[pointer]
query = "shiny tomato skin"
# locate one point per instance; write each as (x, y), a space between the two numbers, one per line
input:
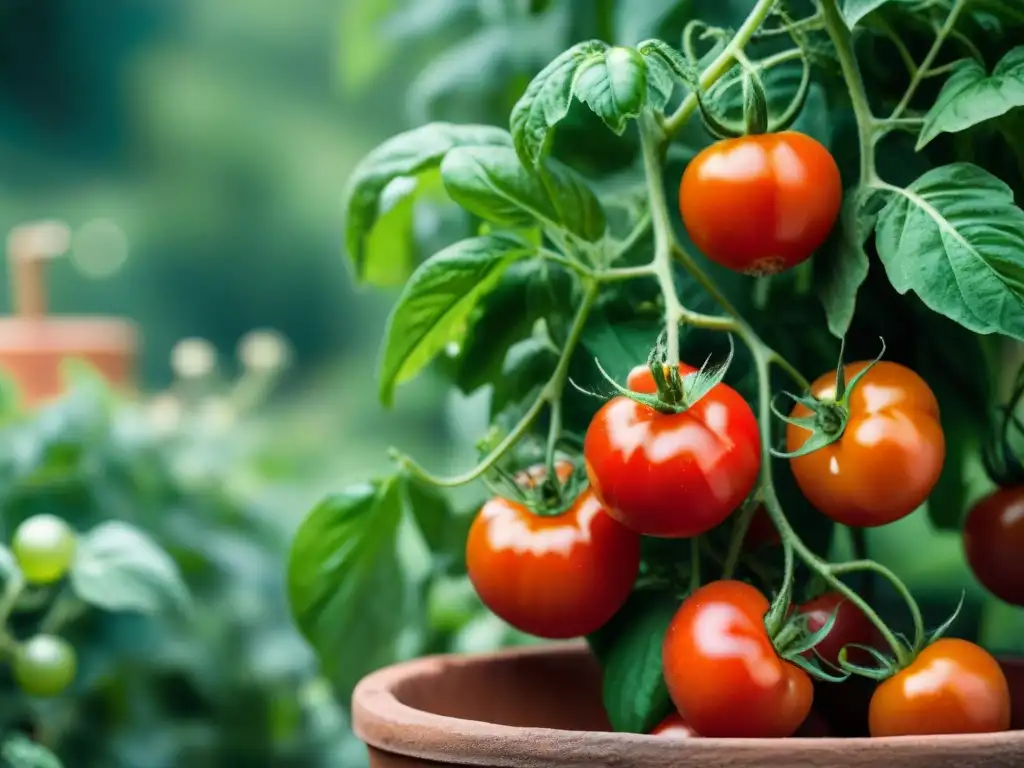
(673, 475)
(722, 671)
(851, 626)
(761, 204)
(555, 577)
(889, 457)
(994, 543)
(953, 686)
(674, 726)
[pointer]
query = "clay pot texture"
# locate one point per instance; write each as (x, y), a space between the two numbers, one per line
(541, 706)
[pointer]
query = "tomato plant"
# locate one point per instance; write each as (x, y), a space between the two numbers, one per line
(994, 540)
(44, 665)
(711, 452)
(783, 187)
(953, 686)
(842, 177)
(723, 672)
(44, 547)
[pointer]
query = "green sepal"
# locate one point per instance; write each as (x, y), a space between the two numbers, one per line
(814, 668)
(755, 104)
(715, 126)
(699, 383)
(886, 665)
(843, 389)
(944, 627)
(802, 645)
(796, 105)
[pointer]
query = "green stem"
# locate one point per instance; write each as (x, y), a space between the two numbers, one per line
(929, 59)
(625, 273)
(738, 536)
(65, 609)
(551, 392)
(571, 264)
(633, 237)
(871, 566)
(722, 63)
(842, 39)
(859, 539)
(886, 29)
(554, 433)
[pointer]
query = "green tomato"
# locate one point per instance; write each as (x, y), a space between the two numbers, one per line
(44, 546)
(44, 665)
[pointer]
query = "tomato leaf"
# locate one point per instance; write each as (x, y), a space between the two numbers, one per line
(971, 96)
(629, 650)
(614, 86)
(19, 751)
(442, 529)
(546, 101)
(665, 68)
(436, 304)
(841, 264)
(117, 567)
(855, 10)
(492, 183)
(345, 587)
(406, 155)
(953, 237)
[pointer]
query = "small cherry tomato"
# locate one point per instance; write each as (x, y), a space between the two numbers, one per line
(994, 543)
(532, 477)
(851, 626)
(762, 531)
(953, 686)
(673, 475)
(674, 726)
(44, 665)
(44, 546)
(761, 204)
(888, 458)
(722, 671)
(557, 576)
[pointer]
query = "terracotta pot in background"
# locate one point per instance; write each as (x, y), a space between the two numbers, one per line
(35, 346)
(541, 706)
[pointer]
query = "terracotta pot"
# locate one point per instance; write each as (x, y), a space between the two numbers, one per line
(541, 706)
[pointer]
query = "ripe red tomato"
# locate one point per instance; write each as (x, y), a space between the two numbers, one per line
(673, 475)
(889, 457)
(723, 672)
(761, 204)
(675, 726)
(953, 686)
(994, 543)
(762, 531)
(851, 626)
(556, 576)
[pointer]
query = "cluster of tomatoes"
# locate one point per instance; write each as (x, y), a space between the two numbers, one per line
(682, 470)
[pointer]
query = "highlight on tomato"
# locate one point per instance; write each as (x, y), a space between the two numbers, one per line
(953, 686)
(993, 540)
(555, 576)
(674, 726)
(761, 204)
(723, 672)
(887, 452)
(674, 474)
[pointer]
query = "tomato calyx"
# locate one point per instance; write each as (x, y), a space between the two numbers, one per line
(829, 415)
(795, 639)
(542, 492)
(676, 393)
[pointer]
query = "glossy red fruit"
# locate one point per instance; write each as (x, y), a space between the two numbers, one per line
(761, 204)
(994, 543)
(722, 671)
(673, 475)
(552, 576)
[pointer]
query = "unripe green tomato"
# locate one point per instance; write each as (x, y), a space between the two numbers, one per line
(44, 546)
(44, 665)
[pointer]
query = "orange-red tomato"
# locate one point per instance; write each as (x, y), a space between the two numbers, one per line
(552, 576)
(722, 671)
(953, 686)
(675, 726)
(761, 204)
(889, 457)
(851, 626)
(994, 543)
(673, 475)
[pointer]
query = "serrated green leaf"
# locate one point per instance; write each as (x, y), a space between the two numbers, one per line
(493, 184)
(629, 650)
(855, 10)
(117, 567)
(971, 96)
(954, 237)
(436, 304)
(666, 67)
(406, 155)
(345, 587)
(546, 101)
(19, 751)
(614, 86)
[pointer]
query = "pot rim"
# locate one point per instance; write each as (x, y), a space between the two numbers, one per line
(382, 721)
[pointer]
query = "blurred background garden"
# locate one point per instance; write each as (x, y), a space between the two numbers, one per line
(197, 151)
